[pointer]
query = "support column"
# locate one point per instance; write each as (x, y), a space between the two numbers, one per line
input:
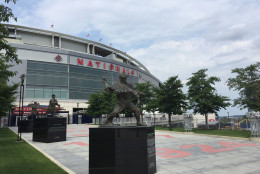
(52, 41)
(88, 51)
(60, 42)
(93, 50)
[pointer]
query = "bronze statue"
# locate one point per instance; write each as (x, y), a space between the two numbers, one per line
(52, 105)
(124, 92)
(34, 111)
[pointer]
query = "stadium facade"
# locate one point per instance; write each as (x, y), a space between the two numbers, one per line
(70, 67)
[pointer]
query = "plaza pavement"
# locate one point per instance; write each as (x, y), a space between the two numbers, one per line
(179, 153)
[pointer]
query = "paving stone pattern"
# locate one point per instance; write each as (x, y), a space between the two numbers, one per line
(176, 152)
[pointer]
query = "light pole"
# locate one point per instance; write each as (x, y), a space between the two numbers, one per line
(153, 119)
(19, 138)
(78, 113)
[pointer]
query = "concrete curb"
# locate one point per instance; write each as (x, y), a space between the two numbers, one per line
(48, 156)
(254, 139)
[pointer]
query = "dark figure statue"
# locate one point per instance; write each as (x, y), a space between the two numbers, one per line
(52, 106)
(34, 111)
(124, 93)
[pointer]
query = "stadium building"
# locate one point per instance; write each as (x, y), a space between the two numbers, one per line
(70, 67)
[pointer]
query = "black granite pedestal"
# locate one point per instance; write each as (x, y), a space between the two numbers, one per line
(49, 130)
(122, 150)
(25, 126)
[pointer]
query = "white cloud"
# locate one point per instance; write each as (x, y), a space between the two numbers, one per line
(170, 37)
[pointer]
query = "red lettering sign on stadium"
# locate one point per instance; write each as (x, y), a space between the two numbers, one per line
(106, 66)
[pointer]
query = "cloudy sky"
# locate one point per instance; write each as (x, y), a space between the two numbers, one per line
(170, 37)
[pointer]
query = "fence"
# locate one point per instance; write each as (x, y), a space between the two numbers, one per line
(150, 121)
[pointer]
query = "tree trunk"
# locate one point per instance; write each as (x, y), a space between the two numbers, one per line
(169, 121)
(206, 121)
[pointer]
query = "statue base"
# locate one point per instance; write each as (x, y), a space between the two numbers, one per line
(49, 130)
(25, 126)
(117, 150)
(108, 125)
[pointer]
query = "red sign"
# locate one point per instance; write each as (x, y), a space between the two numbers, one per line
(58, 58)
(27, 110)
(111, 67)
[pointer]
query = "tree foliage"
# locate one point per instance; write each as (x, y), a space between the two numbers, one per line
(153, 104)
(146, 94)
(202, 95)
(6, 97)
(8, 57)
(7, 53)
(247, 82)
(171, 99)
(100, 103)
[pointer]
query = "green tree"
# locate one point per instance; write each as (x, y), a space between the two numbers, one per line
(171, 99)
(100, 103)
(146, 92)
(109, 100)
(202, 95)
(247, 82)
(95, 103)
(7, 97)
(152, 105)
(8, 57)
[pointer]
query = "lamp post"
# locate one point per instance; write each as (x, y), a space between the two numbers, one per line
(78, 113)
(153, 119)
(19, 138)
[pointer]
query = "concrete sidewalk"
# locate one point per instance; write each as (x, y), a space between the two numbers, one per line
(176, 153)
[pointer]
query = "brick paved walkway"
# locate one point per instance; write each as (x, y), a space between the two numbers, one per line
(176, 152)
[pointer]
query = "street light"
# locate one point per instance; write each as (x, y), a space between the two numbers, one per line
(78, 113)
(19, 138)
(153, 119)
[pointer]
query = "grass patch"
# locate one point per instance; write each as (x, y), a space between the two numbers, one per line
(225, 132)
(21, 158)
(176, 129)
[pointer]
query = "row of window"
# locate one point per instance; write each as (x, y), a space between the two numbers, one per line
(60, 93)
(80, 95)
(46, 93)
(46, 66)
(45, 79)
(90, 71)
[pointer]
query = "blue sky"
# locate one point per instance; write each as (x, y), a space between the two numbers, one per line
(170, 37)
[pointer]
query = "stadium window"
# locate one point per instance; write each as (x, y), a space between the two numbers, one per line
(38, 93)
(56, 41)
(11, 31)
(30, 93)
